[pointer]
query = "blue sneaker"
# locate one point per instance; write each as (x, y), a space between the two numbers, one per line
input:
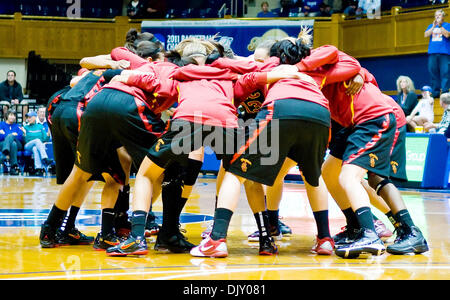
(131, 246)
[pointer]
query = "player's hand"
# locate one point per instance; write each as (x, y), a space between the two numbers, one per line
(355, 85)
(120, 78)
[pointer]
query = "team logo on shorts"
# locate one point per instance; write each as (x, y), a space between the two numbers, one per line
(394, 166)
(373, 159)
(158, 145)
(244, 164)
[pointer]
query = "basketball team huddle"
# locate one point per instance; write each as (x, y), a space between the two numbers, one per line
(286, 105)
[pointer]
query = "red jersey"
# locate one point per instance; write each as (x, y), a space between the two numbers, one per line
(210, 101)
(159, 96)
(348, 111)
(326, 65)
(205, 94)
(283, 89)
(398, 111)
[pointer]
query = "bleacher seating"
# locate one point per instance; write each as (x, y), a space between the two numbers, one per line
(43, 78)
(107, 8)
(58, 8)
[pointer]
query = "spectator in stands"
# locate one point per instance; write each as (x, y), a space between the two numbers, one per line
(443, 126)
(11, 137)
(265, 12)
(371, 8)
(350, 7)
(41, 119)
(325, 10)
(423, 112)
(311, 8)
(10, 91)
(155, 9)
(335, 5)
(35, 136)
(438, 53)
(287, 5)
(438, 1)
(135, 9)
(406, 96)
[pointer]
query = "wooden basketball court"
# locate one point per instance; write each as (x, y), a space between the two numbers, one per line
(25, 202)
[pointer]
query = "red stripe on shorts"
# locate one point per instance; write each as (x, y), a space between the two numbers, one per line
(372, 142)
(141, 107)
(397, 133)
(262, 124)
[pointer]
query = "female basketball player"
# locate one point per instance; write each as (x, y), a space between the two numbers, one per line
(205, 107)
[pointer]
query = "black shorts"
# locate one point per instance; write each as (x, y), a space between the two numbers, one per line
(183, 137)
(370, 144)
(398, 155)
(271, 141)
(113, 119)
(64, 130)
(338, 141)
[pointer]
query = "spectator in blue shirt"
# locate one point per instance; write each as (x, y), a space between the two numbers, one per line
(11, 137)
(311, 8)
(438, 53)
(35, 136)
(265, 12)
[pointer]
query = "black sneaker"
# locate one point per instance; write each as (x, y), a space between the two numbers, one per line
(131, 246)
(345, 237)
(151, 226)
(122, 225)
(102, 243)
(267, 246)
(408, 241)
(73, 237)
(47, 236)
(176, 243)
(366, 242)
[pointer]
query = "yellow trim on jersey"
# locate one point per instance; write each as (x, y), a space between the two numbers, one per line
(179, 93)
(352, 108)
(323, 82)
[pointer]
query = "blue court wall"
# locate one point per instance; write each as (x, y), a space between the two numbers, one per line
(387, 69)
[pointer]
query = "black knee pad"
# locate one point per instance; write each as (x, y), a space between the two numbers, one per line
(381, 184)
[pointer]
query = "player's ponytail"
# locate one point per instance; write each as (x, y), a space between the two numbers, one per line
(130, 38)
(289, 51)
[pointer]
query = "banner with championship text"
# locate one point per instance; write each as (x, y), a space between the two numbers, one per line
(241, 35)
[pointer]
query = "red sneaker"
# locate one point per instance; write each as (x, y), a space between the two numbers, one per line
(323, 246)
(211, 248)
(382, 231)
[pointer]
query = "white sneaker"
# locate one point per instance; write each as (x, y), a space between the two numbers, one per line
(211, 248)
